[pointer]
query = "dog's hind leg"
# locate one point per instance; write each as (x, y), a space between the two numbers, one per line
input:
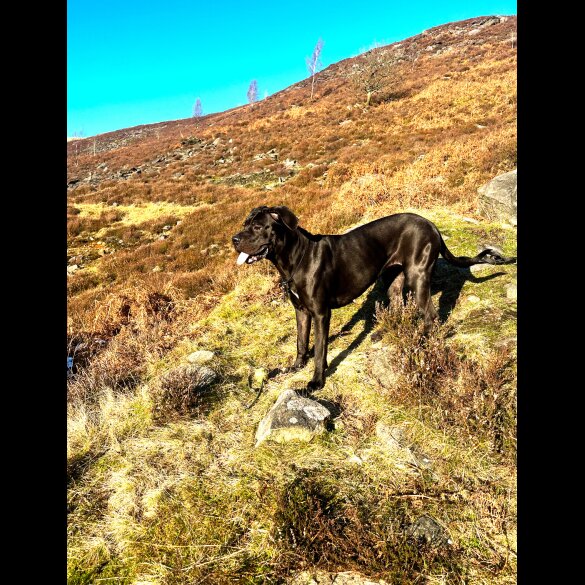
(395, 290)
(322, 321)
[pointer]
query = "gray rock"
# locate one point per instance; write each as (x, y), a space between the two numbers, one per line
(426, 529)
(497, 199)
(195, 377)
(206, 376)
(292, 417)
(181, 390)
(480, 268)
(493, 247)
(512, 291)
(71, 269)
(200, 357)
(395, 441)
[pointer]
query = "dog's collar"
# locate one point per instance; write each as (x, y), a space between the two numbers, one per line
(285, 284)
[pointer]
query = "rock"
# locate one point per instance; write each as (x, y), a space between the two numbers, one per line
(479, 268)
(392, 438)
(497, 199)
(292, 417)
(199, 376)
(157, 269)
(426, 529)
(472, 299)
(71, 269)
(181, 391)
(206, 376)
(200, 357)
(493, 247)
(395, 441)
(511, 291)
(382, 363)
(289, 163)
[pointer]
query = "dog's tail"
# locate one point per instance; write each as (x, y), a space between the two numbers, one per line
(487, 256)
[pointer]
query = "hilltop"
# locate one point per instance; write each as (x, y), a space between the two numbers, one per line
(182, 494)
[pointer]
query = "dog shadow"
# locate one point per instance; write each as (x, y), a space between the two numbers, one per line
(447, 281)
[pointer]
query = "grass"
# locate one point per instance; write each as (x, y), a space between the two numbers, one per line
(193, 499)
(421, 426)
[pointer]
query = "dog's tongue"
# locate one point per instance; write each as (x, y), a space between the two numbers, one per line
(242, 258)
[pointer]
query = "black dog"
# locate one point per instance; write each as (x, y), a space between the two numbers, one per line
(322, 272)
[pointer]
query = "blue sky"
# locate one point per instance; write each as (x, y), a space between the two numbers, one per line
(131, 63)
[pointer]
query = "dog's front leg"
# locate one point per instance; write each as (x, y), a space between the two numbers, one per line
(322, 321)
(303, 332)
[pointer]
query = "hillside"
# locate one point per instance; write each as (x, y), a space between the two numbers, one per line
(181, 494)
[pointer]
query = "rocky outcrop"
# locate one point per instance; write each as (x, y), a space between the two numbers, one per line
(497, 199)
(293, 417)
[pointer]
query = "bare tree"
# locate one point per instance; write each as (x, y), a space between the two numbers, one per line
(197, 109)
(253, 91)
(314, 63)
(374, 71)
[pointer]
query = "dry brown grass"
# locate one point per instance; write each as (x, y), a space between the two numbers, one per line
(468, 397)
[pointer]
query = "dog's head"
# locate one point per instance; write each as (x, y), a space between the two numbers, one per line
(264, 229)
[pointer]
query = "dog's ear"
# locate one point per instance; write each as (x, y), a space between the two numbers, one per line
(284, 215)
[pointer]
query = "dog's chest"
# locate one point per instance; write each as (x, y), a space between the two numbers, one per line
(289, 291)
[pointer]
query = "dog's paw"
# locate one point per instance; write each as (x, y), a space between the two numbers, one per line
(315, 385)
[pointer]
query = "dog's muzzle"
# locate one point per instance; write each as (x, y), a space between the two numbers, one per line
(251, 258)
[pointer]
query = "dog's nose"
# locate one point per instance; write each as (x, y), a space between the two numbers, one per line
(236, 240)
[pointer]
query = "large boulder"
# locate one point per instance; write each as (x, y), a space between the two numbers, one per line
(292, 417)
(497, 198)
